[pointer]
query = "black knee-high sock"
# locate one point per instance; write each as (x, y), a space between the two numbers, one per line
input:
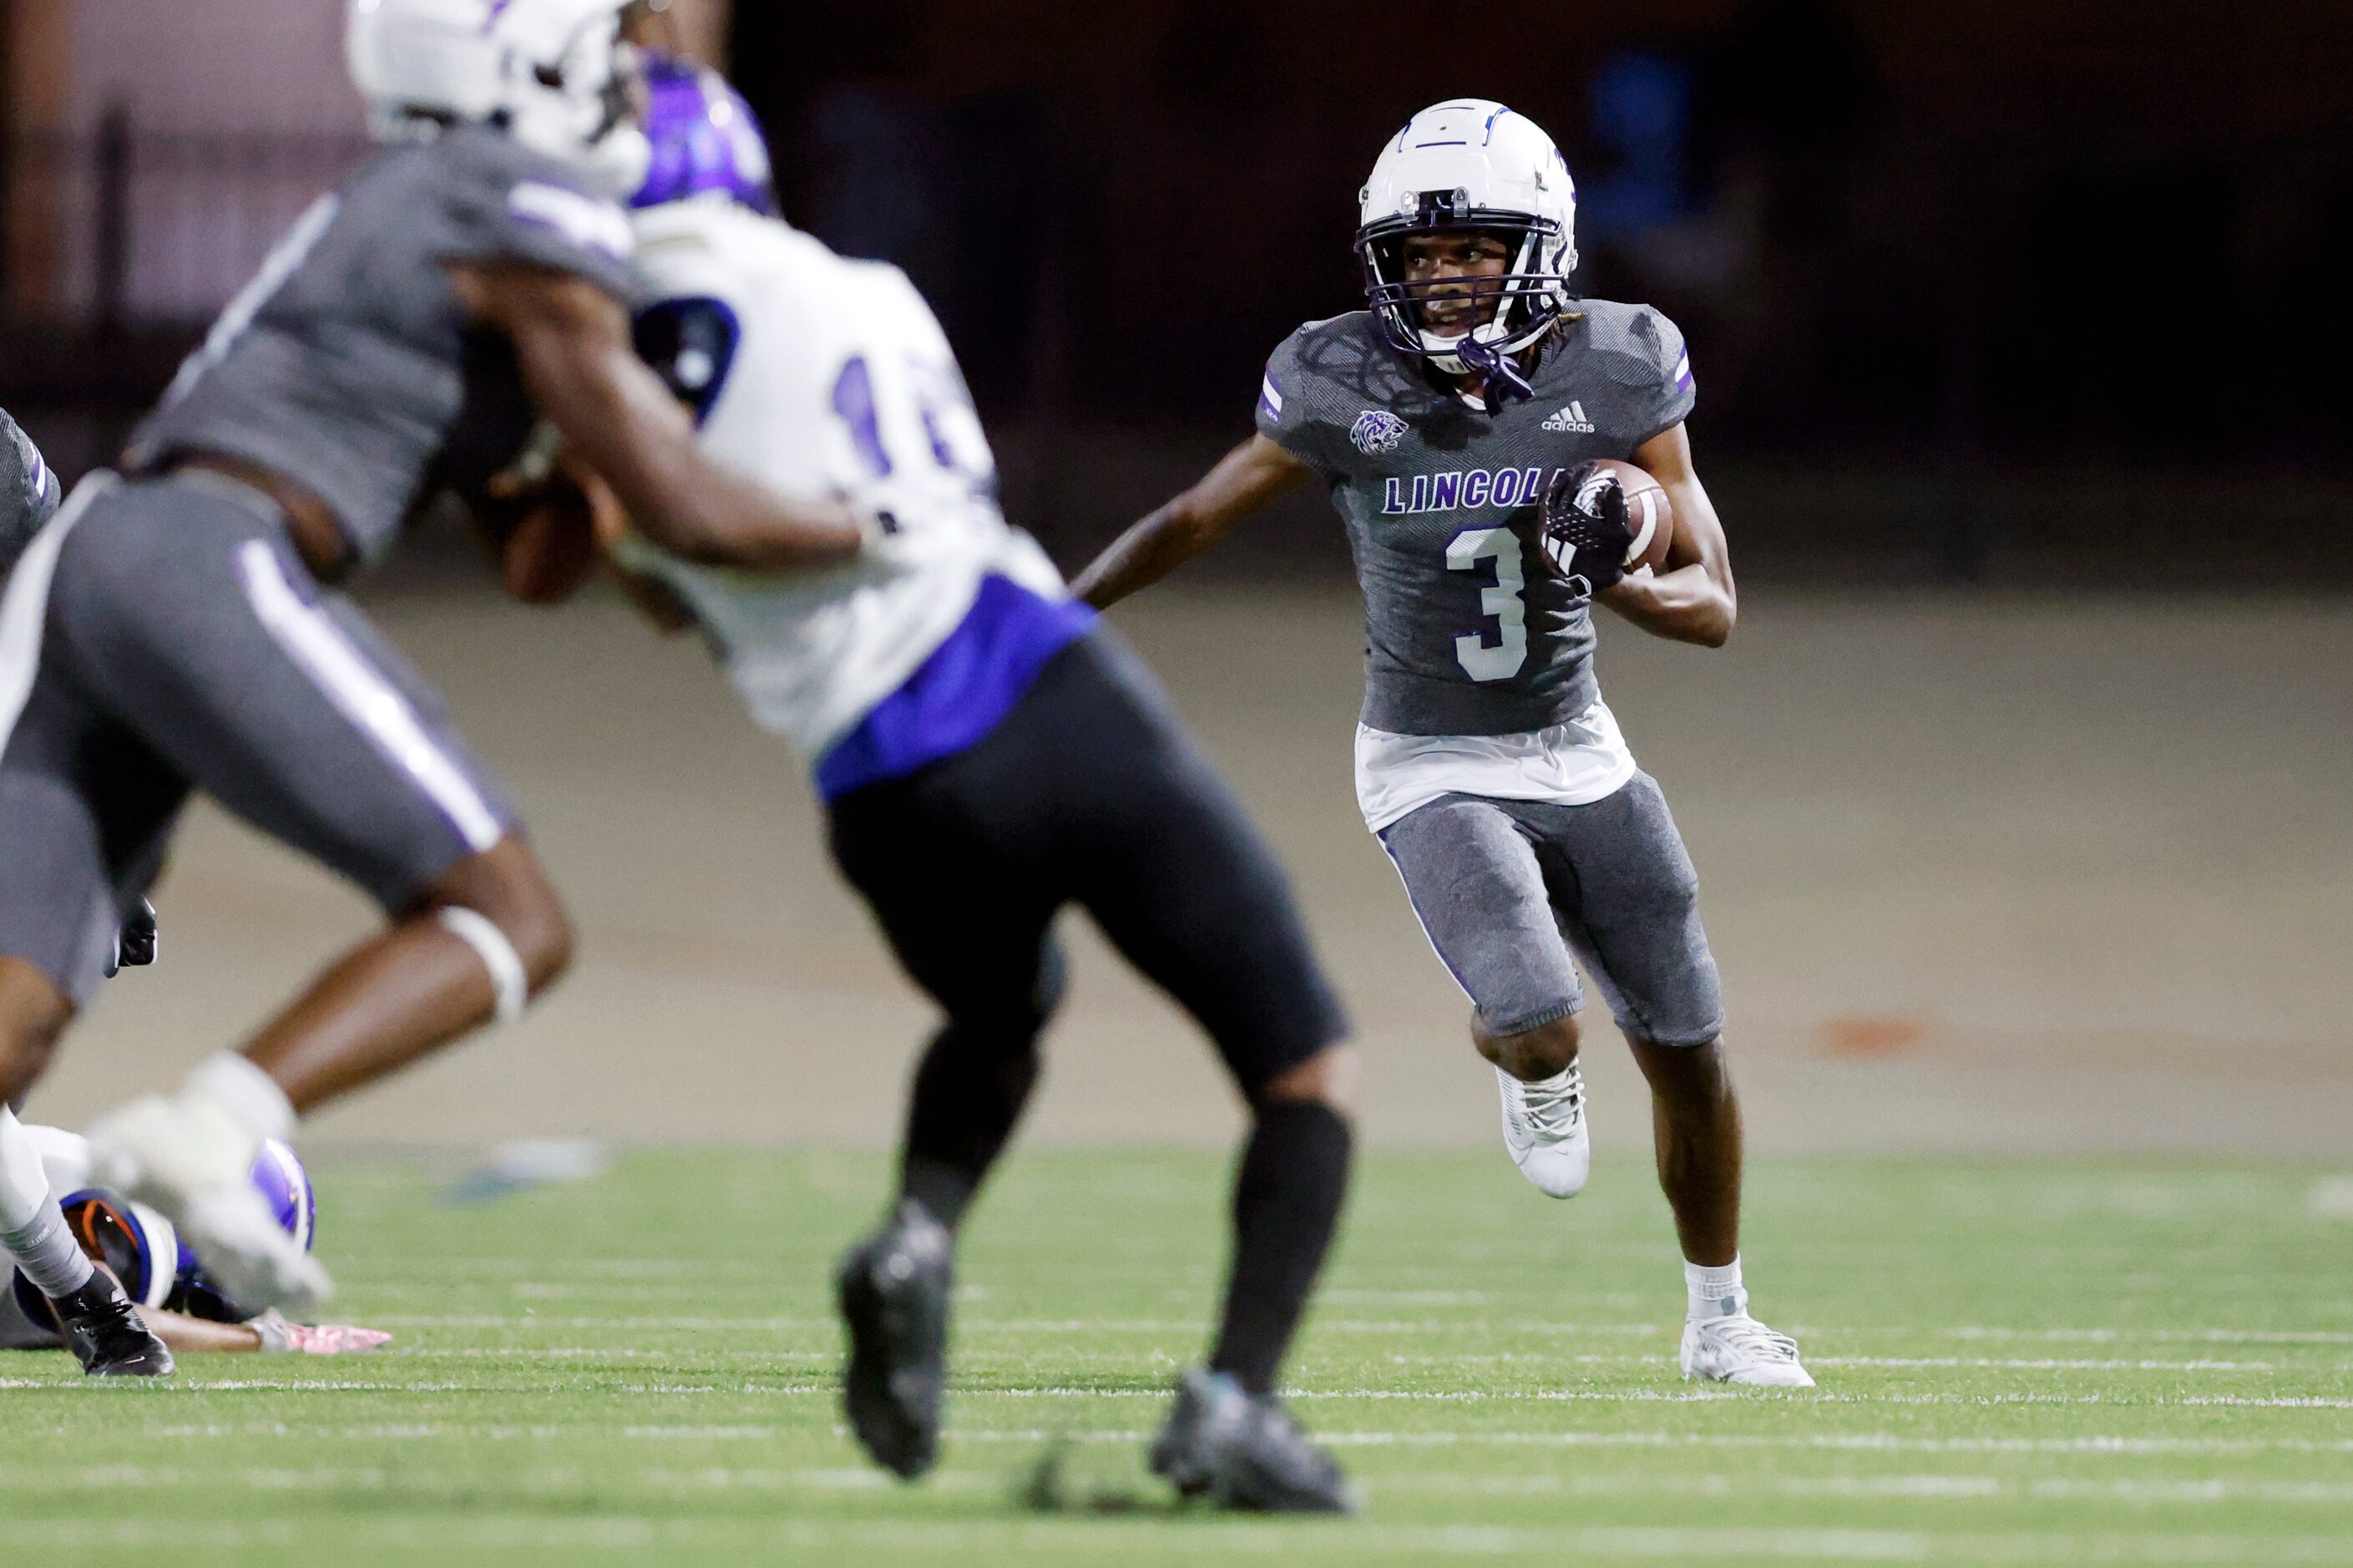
(968, 1094)
(1287, 1197)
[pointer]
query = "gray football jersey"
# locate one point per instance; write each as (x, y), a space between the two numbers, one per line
(349, 366)
(28, 491)
(1463, 633)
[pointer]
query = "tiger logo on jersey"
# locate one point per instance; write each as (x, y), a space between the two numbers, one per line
(1376, 431)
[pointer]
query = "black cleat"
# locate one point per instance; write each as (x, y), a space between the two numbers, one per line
(894, 1290)
(1244, 1452)
(135, 941)
(101, 1328)
(139, 939)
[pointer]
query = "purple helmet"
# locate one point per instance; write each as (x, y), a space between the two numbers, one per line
(279, 1177)
(705, 139)
(285, 1185)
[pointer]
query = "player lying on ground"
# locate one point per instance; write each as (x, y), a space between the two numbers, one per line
(141, 1250)
(1486, 762)
(987, 756)
(172, 630)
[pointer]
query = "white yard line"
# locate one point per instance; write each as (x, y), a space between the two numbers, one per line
(744, 1432)
(1434, 1396)
(2053, 1364)
(1097, 1541)
(526, 1319)
(2017, 1364)
(1865, 1442)
(2175, 1336)
(1588, 1483)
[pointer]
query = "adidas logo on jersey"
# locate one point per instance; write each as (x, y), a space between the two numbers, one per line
(1571, 420)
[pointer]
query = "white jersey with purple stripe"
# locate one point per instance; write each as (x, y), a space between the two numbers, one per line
(824, 377)
(1464, 635)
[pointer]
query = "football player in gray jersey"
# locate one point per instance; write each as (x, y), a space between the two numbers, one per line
(28, 492)
(1487, 763)
(173, 628)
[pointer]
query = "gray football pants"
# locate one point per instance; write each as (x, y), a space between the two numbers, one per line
(161, 636)
(1508, 889)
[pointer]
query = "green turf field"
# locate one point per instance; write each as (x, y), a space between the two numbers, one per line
(2048, 1363)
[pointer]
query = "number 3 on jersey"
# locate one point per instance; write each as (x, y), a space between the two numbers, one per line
(1499, 661)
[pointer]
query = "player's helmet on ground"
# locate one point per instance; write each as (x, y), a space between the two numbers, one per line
(554, 73)
(139, 1244)
(703, 140)
(155, 1264)
(1469, 163)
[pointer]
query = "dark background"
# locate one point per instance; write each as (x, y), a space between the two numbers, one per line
(1977, 291)
(2098, 229)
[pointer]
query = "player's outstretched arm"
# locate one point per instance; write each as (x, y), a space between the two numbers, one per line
(1693, 600)
(1244, 481)
(571, 340)
(270, 1332)
(199, 1336)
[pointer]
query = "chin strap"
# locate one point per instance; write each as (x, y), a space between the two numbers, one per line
(1504, 382)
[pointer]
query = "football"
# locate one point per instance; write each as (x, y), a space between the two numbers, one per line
(1648, 514)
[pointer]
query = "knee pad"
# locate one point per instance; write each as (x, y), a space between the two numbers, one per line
(509, 980)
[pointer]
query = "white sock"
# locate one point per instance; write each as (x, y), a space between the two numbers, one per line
(247, 1094)
(31, 1228)
(1715, 1292)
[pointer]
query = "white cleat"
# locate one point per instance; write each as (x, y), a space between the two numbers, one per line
(1544, 1129)
(192, 1160)
(1739, 1349)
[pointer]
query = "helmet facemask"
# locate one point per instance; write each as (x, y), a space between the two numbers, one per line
(585, 105)
(1470, 165)
(1512, 309)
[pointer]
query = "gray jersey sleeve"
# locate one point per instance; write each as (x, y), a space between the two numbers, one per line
(29, 492)
(510, 204)
(1287, 415)
(1646, 355)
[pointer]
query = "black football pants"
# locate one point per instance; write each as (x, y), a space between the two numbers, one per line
(1089, 792)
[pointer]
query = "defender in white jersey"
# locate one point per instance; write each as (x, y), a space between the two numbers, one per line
(987, 756)
(822, 376)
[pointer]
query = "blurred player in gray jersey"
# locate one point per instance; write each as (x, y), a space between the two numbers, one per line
(1486, 762)
(93, 1314)
(28, 492)
(173, 628)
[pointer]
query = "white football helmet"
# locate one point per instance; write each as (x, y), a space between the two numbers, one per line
(1469, 163)
(553, 72)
